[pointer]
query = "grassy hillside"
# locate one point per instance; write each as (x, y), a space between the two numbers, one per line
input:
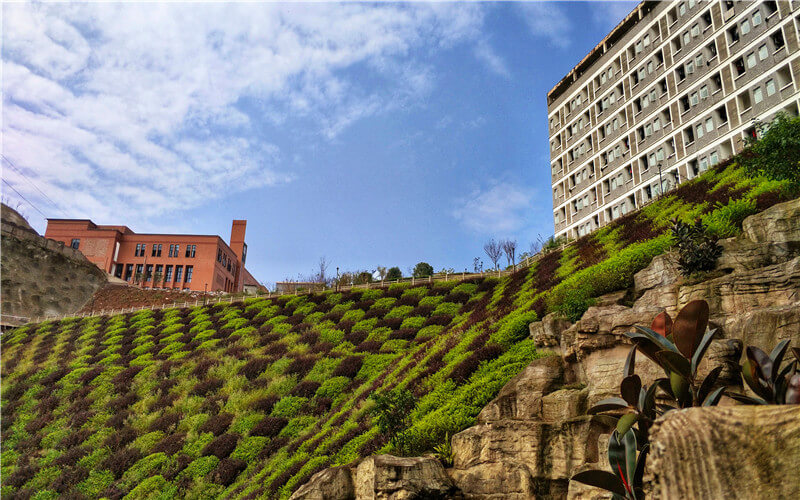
(249, 400)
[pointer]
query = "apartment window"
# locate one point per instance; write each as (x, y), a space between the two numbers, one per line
(75, 243)
(190, 250)
(770, 87)
(756, 18)
(694, 99)
(777, 39)
(709, 125)
(686, 38)
(698, 61)
(690, 67)
(656, 124)
(602, 78)
(149, 274)
(156, 250)
(745, 27)
(681, 73)
(700, 131)
(763, 52)
(139, 269)
(751, 60)
(651, 160)
(128, 272)
(660, 154)
(695, 30)
(704, 91)
(714, 158)
(168, 274)
(219, 255)
(178, 273)
(189, 270)
(703, 164)
(647, 40)
(615, 123)
(648, 130)
(739, 66)
(638, 47)
(682, 9)
(159, 271)
(733, 35)
(171, 250)
(649, 67)
(758, 95)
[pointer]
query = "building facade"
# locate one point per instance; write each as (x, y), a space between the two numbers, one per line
(169, 261)
(675, 88)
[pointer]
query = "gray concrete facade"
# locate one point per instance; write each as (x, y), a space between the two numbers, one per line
(675, 88)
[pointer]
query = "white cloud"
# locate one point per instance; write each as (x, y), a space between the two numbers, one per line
(547, 20)
(607, 14)
(122, 111)
(485, 53)
(501, 207)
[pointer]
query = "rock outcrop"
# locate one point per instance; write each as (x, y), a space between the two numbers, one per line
(742, 452)
(535, 434)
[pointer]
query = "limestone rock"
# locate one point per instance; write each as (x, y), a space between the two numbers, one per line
(386, 477)
(738, 452)
(662, 271)
(520, 398)
(335, 483)
(779, 223)
(547, 332)
(495, 481)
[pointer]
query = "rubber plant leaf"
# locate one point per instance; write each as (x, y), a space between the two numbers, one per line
(714, 397)
(609, 421)
(662, 324)
(608, 404)
(708, 383)
(760, 362)
(658, 339)
(748, 400)
(630, 362)
(629, 440)
(629, 389)
(701, 349)
(616, 456)
(793, 390)
(680, 387)
(676, 363)
(777, 357)
(601, 479)
(689, 327)
(626, 422)
(640, 463)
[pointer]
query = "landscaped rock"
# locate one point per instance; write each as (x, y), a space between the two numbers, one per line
(335, 483)
(662, 271)
(779, 223)
(547, 332)
(386, 477)
(747, 452)
(521, 397)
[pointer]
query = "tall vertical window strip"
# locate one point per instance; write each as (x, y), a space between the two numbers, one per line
(75, 243)
(128, 272)
(171, 249)
(168, 274)
(177, 250)
(149, 273)
(178, 273)
(189, 270)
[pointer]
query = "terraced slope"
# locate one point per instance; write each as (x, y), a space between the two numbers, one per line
(249, 400)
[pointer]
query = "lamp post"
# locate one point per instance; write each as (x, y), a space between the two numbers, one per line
(660, 182)
(205, 292)
(337, 278)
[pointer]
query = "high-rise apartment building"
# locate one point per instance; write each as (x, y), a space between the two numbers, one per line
(675, 88)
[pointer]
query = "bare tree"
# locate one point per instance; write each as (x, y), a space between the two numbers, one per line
(323, 268)
(510, 249)
(382, 272)
(493, 250)
(476, 264)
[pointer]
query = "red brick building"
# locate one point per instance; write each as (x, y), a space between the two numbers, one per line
(173, 261)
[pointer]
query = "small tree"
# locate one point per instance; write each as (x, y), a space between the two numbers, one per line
(394, 273)
(510, 249)
(393, 413)
(493, 250)
(777, 153)
(157, 277)
(422, 270)
(476, 264)
(362, 277)
(321, 275)
(381, 272)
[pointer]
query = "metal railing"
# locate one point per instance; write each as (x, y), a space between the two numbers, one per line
(236, 298)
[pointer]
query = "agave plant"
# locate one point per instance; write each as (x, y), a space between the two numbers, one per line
(763, 374)
(627, 462)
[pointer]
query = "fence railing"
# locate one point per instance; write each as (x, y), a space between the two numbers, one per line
(236, 298)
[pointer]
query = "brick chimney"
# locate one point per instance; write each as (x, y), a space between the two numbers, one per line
(239, 247)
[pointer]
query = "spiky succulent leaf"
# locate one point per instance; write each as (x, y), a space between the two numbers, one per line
(689, 327)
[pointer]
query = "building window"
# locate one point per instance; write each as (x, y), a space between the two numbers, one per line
(756, 18)
(700, 131)
(751, 60)
(139, 269)
(171, 250)
(140, 249)
(189, 270)
(128, 272)
(695, 30)
(709, 125)
(190, 250)
(758, 95)
(177, 250)
(149, 274)
(714, 158)
(159, 272)
(178, 273)
(75, 243)
(745, 27)
(770, 87)
(694, 99)
(168, 274)
(219, 255)
(763, 52)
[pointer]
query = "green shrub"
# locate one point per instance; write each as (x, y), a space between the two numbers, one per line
(698, 250)
(149, 488)
(514, 328)
(429, 331)
(399, 312)
(776, 154)
(447, 308)
(413, 322)
(431, 300)
(353, 315)
(373, 365)
(726, 220)
(288, 406)
(394, 345)
(468, 288)
(332, 387)
(417, 292)
(384, 303)
(97, 481)
(249, 447)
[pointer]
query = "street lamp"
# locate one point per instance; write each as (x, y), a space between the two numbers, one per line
(205, 293)
(337, 278)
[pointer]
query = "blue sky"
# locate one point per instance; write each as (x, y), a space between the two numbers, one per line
(371, 134)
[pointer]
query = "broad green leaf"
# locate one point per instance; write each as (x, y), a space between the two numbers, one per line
(608, 404)
(680, 387)
(708, 383)
(625, 423)
(714, 397)
(658, 339)
(701, 349)
(676, 363)
(601, 479)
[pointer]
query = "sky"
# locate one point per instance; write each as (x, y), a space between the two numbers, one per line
(371, 134)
